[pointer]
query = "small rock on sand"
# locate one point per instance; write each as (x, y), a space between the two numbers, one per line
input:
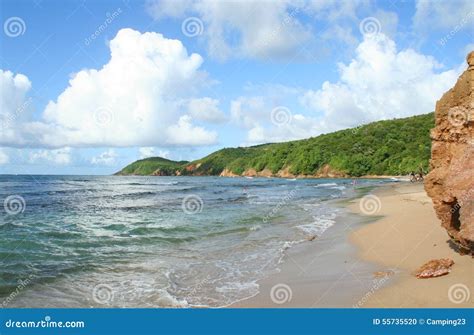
(382, 274)
(435, 268)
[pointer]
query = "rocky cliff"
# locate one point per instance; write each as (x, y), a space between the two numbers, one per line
(451, 181)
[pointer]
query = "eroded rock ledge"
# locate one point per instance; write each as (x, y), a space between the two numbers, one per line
(451, 181)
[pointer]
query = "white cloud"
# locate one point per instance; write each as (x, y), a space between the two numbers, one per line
(433, 14)
(146, 152)
(4, 159)
(300, 127)
(107, 158)
(284, 29)
(57, 156)
(15, 107)
(380, 83)
(256, 114)
(133, 100)
(249, 111)
(206, 109)
(184, 133)
(262, 30)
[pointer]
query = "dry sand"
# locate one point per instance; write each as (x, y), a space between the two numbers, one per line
(337, 269)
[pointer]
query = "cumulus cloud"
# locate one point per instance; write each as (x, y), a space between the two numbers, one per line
(380, 83)
(133, 100)
(107, 158)
(206, 109)
(58, 156)
(15, 106)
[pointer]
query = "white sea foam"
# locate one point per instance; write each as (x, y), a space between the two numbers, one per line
(326, 185)
(319, 225)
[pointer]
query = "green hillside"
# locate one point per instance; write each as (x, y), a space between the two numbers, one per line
(391, 147)
(153, 165)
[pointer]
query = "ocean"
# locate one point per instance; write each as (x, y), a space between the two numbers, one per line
(107, 241)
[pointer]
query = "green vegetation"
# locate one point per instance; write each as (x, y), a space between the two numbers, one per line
(153, 165)
(389, 147)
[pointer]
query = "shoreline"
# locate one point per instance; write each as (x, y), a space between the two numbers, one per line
(324, 273)
(367, 260)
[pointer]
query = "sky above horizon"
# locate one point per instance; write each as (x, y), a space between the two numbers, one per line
(88, 87)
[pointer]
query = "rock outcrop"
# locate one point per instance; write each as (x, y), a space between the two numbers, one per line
(451, 181)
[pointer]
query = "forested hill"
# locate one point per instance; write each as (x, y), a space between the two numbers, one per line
(392, 147)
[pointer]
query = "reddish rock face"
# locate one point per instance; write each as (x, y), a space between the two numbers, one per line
(451, 181)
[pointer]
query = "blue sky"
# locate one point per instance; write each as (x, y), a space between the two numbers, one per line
(90, 86)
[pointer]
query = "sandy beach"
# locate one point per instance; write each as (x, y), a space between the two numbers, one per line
(340, 269)
(407, 236)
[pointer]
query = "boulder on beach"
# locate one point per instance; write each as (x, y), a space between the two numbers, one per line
(435, 268)
(451, 181)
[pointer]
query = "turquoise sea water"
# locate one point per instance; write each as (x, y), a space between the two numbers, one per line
(81, 241)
